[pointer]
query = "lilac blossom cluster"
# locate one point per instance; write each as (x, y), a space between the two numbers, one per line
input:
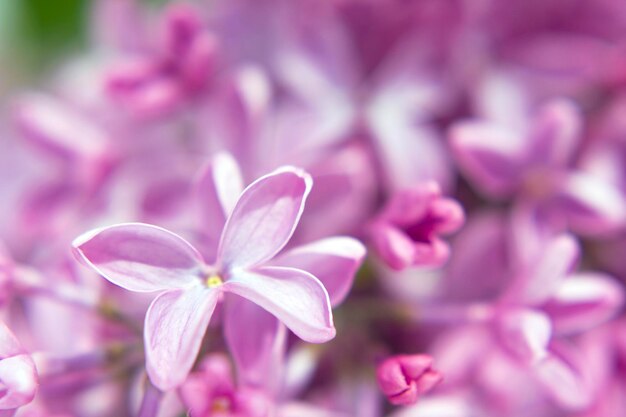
(344, 208)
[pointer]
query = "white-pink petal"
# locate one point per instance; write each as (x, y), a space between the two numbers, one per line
(558, 260)
(334, 261)
(295, 409)
(264, 218)
(584, 301)
(295, 297)
(218, 188)
(54, 126)
(139, 257)
(174, 327)
(525, 333)
(564, 378)
(18, 377)
(9, 346)
(592, 205)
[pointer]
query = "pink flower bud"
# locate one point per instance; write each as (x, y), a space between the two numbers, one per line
(408, 231)
(404, 378)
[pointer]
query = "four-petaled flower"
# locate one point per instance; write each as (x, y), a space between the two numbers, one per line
(144, 258)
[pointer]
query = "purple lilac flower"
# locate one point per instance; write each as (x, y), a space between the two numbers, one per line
(476, 147)
(141, 257)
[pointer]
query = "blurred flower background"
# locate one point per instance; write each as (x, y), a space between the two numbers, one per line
(299, 208)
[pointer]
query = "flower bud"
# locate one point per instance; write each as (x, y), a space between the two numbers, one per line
(404, 378)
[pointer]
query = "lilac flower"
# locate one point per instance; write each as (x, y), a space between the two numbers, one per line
(407, 231)
(212, 392)
(157, 82)
(536, 162)
(543, 302)
(146, 258)
(258, 349)
(359, 94)
(246, 119)
(393, 113)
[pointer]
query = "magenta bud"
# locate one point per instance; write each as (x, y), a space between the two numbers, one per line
(404, 378)
(409, 230)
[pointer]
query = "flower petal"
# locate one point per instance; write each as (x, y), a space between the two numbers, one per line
(584, 301)
(258, 347)
(556, 133)
(448, 405)
(54, 126)
(399, 115)
(18, 377)
(264, 218)
(392, 245)
(175, 324)
(218, 188)
(564, 377)
(492, 156)
(296, 409)
(559, 257)
(295, 297)
(334, 261)
(526, 333)
(9, 345)
(591, 205)
(139, 257)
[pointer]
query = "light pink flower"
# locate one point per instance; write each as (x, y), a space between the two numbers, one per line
(258, 348)
(145, 258)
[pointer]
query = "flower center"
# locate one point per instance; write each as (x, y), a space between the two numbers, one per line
(221, 405)
(214, 281)
(539, 183)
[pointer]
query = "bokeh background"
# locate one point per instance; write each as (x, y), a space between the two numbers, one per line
(477, 148)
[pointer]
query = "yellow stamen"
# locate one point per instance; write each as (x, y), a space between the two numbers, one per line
(220, 405)
(214, 281)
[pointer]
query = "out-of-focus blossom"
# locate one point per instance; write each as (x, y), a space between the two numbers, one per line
(156, 82)
(212, 392)
(18, 375)
(537, 164)
(543, 302)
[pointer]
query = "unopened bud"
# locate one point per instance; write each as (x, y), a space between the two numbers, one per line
(404, 378)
